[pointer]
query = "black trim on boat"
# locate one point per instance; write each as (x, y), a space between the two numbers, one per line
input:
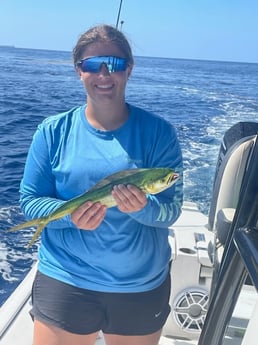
(240, 256)
(246, 241)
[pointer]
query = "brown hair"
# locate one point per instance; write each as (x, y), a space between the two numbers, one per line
(102, 33)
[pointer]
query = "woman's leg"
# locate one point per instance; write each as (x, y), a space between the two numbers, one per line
(46, 334)
(150, 339)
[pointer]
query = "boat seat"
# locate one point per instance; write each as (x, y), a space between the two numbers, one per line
(224, 220)
(231, 167)
(234, 168)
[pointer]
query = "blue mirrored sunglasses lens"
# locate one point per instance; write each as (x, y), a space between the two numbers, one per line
(113, 64)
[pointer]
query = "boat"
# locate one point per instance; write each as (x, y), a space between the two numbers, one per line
(214, 268)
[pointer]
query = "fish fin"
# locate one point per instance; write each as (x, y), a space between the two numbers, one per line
(39, 222)
(40, 227)
(115, 177)
(24, 225)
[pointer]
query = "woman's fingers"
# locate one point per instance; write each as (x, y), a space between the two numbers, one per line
(89, 215)
(129, 198)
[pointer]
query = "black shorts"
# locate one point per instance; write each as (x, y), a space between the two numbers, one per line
(82, 311)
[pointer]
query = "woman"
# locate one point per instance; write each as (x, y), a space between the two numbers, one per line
(101, 269)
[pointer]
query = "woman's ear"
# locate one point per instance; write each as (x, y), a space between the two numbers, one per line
(129, 71)
(78, 71)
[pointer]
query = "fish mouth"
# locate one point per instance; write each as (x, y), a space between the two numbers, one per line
(172, 178)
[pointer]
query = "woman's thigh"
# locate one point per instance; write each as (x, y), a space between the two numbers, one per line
(47, 334)
(150, 339)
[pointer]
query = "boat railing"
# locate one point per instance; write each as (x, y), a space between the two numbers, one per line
(11, 308)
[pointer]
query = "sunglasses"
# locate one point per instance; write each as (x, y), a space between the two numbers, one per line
(94, 64)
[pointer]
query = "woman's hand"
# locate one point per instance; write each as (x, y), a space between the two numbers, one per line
(89, 215)
(129, 198)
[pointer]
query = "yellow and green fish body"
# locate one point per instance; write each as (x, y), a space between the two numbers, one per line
(149, 180)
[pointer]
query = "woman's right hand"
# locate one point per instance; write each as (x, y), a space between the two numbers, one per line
(89, 215)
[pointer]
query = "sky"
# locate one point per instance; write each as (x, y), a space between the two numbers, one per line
(224, 30)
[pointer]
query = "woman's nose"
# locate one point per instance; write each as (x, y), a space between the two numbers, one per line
(104, 69)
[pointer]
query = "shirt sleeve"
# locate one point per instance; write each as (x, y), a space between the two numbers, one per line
(37, 189)
(163, 209)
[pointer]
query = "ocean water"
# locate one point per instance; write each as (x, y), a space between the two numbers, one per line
(201, 98)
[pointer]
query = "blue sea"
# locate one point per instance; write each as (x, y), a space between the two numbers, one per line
(202, 99)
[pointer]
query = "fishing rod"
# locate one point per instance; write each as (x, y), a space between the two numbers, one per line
(118, 15)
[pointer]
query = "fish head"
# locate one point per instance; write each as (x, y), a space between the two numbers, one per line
(159, 180)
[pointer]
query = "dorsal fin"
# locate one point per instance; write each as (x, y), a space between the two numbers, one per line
(115, 177)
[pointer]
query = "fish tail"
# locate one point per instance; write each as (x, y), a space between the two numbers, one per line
(40, 223)
(40, 227)
(33, 222)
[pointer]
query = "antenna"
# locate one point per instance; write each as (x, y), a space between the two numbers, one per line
(118, 15)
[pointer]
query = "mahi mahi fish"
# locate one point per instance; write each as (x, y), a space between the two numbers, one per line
(149, 180)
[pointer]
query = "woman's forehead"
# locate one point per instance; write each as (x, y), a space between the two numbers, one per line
(102, 48)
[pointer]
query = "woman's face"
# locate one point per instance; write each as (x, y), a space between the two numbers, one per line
(103, 86)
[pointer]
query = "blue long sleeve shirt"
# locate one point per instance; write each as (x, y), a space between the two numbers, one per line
(128, 252)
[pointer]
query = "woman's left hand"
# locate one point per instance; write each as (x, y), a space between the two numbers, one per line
(129, 198)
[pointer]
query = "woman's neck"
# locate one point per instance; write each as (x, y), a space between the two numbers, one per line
(107, 118)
